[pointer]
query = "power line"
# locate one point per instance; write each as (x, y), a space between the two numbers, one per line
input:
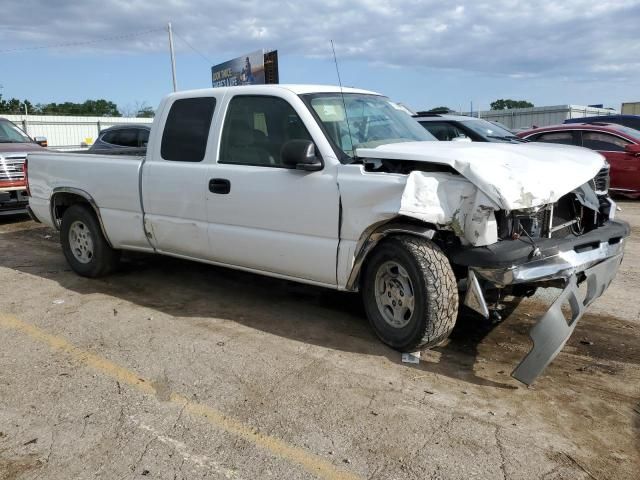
(88, 42)
(211, 62)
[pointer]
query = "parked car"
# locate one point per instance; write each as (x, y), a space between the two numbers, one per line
(620, 146)
(343, 189)
(14, 146)
(459, 127)
(121, 137)
(631, 121)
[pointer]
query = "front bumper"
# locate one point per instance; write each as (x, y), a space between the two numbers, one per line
(593, 258)
(13, 202)
(553, 329)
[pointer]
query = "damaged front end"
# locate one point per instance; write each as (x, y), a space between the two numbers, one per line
(510, 218)
(573, 244)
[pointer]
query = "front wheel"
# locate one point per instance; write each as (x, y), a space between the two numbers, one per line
(84, 245)
(410, 293)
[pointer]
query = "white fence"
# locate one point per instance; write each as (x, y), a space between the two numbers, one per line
(541, 116)
(64, 132)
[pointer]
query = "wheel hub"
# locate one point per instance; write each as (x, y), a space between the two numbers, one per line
(81, 242)
(394, 294)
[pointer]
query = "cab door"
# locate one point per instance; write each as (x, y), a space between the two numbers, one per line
(175, 178)
(264, 216)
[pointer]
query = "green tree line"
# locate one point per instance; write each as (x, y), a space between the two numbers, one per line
(501, 104)
(508, 104)
(93, 108)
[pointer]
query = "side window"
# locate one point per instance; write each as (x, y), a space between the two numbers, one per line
(443, 131)
(255, 129)
(603, 141)
(143, 137)
(109, 137)
(126, 137)
(564, 138)
(187, 129)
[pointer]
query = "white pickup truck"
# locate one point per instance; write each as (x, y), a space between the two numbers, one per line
(343, 189)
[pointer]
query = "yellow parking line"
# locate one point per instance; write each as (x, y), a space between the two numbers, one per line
(310, 462)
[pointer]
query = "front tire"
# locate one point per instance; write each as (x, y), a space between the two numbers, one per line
(84, 246)
(410, 293)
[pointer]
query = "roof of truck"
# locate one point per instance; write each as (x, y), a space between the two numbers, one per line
(297, 89)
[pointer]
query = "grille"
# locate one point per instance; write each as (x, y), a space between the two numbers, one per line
(11, 169)
(601, 181)
(565, 217)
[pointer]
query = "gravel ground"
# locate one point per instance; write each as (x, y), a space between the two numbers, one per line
(176, 370)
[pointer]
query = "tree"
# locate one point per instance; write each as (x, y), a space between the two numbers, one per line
(507, 104)
(14, 106)
(138, 109)
(146, 112)
(439, 110)
(99, 108)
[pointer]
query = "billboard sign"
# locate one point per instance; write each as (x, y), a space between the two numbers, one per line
(245, 70)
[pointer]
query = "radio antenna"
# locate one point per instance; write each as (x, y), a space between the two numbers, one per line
(344, 104)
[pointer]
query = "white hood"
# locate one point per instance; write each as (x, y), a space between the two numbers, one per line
(514, 176)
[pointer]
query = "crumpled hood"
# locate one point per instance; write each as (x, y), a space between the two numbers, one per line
(514, 176)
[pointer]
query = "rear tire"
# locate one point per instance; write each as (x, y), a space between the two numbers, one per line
(84, 246)
(410, 293)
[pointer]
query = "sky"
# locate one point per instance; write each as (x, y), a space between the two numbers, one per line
(423, 53)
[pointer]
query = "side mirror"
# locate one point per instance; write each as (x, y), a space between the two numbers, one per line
(461, 139)
(42, 141)
(633, 149)
(301, 155)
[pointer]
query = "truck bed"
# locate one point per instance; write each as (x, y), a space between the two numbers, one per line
(111, 181)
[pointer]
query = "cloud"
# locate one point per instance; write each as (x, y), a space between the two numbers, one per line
(516, 38)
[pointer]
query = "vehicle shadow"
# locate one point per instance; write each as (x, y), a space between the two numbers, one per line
(287, 309)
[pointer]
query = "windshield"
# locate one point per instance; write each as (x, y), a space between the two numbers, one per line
(372, 121)
(489, 130)
(9, 133)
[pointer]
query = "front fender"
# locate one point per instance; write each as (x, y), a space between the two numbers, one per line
(372, 236)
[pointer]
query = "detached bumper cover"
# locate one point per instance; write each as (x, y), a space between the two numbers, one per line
(553, 330)
(593, 258)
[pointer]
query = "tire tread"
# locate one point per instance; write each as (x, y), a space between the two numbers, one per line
(440, 287)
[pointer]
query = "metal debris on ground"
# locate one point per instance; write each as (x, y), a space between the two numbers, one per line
(411, 357)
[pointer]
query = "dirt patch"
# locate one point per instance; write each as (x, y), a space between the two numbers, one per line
(14, 468)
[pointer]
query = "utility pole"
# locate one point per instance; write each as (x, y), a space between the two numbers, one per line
(173, 58)
(26, 118)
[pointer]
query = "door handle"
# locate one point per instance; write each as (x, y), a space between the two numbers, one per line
(219, 185)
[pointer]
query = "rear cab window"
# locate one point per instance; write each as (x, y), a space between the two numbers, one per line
(186, 129)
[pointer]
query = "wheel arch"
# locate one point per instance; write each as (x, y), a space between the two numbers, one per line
(373, 235)
(63, 197)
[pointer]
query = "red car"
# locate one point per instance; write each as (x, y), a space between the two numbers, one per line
(620, 145)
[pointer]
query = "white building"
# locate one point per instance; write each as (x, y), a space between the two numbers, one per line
(66, 132)
(541, 116)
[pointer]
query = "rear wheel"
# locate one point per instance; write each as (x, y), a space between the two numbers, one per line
(84, 245)
(410, 293)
